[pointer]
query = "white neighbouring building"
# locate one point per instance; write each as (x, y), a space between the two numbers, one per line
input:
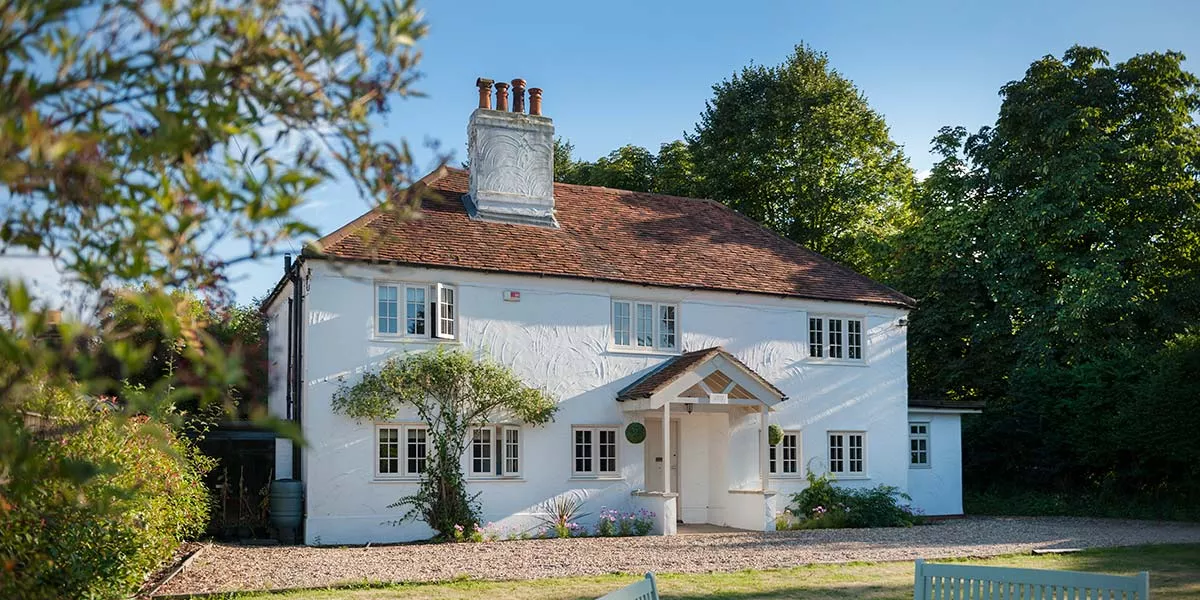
(626, 307)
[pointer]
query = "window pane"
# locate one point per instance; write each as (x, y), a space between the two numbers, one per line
(608, 450)
(918, 444)
(816, 339)
(621, 323)
(415, 315)
(835, 338)
(385, 311)
(583, 451)
(854, 340)
(645, 325)
(666, 327)
(855, 447)
(512, 450)
(481, 451)
(446, 312)
(771, 458)
(836, 459)
(790, 448)
(416, 450)
(389, 451)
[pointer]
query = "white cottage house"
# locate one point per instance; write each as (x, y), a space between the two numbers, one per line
(677, 313)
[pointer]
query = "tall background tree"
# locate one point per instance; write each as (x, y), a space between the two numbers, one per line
(797, 148)
(1056, 257)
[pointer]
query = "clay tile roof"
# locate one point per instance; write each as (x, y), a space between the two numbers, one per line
(606, 234)
(673, 368)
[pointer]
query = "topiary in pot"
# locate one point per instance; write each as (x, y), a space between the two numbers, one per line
(635, 433)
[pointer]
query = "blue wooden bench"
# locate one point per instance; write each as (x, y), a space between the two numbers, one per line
(969, 582)
(642, 590)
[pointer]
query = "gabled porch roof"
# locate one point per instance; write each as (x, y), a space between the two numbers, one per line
(711, 375)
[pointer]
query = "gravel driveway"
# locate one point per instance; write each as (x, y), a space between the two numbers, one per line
(227, 568)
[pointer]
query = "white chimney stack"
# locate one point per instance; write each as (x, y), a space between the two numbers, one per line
(512, 158)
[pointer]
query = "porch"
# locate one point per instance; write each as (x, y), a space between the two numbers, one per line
(705, 455)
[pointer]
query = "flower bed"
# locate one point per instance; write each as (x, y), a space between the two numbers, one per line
(612, 523)
(824, 506)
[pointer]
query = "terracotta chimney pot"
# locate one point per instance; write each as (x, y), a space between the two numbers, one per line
(518, 87)
(485, 92)
(535, 101)
(502, 96)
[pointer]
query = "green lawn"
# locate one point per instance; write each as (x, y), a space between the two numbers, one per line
(1174, 573)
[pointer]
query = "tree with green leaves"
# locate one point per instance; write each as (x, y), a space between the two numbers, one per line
(1056, 259)
(452, 392)
(564, 162)
(626, 168)
(637, 169)
(155, 145)
(797, 148)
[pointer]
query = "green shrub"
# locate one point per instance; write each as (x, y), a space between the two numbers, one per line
(101, 538)
(823, 505)
(1088, 503)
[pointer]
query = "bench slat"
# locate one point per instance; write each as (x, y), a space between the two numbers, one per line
(967, 582)
(646, 589)
(1037, 577)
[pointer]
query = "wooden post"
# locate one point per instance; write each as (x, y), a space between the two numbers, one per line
(666, 436)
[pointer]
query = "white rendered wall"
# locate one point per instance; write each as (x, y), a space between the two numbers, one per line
(557, 337)
(937, 490)
(277, 334)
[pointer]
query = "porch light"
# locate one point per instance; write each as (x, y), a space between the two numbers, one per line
(688, 406)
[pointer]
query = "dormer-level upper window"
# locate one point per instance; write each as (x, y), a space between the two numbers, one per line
(416, 310)
(835, 338)
(645, 326)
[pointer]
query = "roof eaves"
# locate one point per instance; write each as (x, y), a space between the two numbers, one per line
(391, 261)
(696, 356)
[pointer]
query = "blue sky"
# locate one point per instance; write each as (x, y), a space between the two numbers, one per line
(618, 73)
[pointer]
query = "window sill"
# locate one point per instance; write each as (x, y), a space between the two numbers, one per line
(920, 467)
(635, 351)
(839, 362)
(402, 339)
(494, 478)
(855, 477)
(755, 492)
(787, 477)
(396, 480)
(596, 478)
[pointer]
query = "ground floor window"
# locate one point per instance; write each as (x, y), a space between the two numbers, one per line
(401, 450)
(846, 452)
(496, 451)
(594, 451)
(918, 444)
(785, 456)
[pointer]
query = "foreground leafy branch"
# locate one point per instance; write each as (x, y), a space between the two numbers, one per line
(147, 147)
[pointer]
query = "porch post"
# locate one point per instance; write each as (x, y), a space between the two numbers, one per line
(666, 437)
(764, 440)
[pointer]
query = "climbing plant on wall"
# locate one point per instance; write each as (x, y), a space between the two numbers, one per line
(451, 391)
